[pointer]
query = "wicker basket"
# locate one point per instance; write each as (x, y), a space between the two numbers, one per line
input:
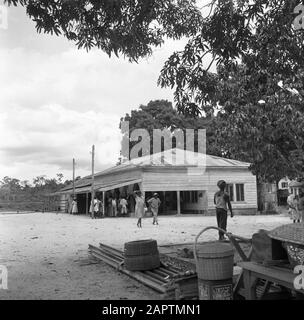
(214, 261)
(292, 237)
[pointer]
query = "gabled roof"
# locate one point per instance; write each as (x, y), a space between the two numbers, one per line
(177, 157)
(169, 158)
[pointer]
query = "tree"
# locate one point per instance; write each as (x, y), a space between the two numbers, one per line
(255, 48)
(39, 181)
(128, 27)
(160, 114)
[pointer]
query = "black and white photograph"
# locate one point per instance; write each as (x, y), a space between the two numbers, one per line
(151, 151)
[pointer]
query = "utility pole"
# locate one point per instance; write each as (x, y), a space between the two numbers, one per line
(92, 186)
(73, 178)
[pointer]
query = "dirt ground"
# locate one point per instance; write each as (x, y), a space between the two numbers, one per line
(46, 254)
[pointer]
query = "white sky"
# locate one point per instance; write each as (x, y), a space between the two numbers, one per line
(56, 101)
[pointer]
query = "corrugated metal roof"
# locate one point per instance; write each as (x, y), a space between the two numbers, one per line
(168, 158)
(178, 157)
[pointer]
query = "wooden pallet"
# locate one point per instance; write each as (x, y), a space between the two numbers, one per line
(168, 280)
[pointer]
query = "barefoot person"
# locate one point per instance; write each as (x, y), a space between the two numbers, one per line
(154, 205)
(139, 207)
(222, 201)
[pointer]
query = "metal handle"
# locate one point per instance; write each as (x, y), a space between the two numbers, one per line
(199, 234)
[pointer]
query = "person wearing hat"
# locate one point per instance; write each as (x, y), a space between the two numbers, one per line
(154, 203)
(222, 204)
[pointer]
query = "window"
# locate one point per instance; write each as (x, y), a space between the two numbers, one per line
(239, 187)
(229, 190)
(284, 185)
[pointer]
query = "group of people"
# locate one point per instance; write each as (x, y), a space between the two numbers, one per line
(117, 205)
(141, 208)
(296, 206)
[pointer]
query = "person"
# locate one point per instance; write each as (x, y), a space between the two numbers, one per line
(100, 209)
(292, 202)
(154, 203)
(109, 206)
(221, 201)
(123, 206)
(74, 206)
(301, 206)
(95, 211)
(139, 207)
(114, 207)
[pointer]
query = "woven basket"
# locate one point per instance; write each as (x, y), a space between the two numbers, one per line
(214, 261)
(292, 236)
(292, 233)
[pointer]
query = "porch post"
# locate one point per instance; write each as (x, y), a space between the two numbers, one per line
(103, 203)
(178, 202)
(87, 202)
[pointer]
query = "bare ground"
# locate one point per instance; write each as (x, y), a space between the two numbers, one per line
(47, 258)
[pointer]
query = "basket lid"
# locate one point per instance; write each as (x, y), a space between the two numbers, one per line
(293, 233)
(214, 250)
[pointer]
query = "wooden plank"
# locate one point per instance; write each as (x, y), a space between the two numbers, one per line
(102, 245)
(161, 273)
(273, 274)
(111, 253)
(143, 279)
(250, 293)
(156, 276)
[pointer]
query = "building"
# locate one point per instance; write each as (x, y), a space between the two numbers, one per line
(183, 187)
(283, 191)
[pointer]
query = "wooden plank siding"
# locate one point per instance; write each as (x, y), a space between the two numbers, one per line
(117, 177)
(178, 179)
(233, 177)
(172, 179)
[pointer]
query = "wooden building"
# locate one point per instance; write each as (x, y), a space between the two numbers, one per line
(183, 187)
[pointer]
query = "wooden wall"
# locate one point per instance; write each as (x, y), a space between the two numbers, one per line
(172, 179)
(234, 176)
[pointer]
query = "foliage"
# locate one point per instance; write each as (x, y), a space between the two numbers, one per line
(12, 189)
(255, 48)
(128, 27)
(160, 114)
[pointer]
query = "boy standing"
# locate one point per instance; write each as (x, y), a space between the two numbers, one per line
(221, 201)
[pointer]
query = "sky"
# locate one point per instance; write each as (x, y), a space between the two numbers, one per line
(57, 101)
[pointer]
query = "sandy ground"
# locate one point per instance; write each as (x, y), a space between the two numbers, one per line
(46, 253)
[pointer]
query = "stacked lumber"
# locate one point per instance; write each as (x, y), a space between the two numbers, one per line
(166, 279)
